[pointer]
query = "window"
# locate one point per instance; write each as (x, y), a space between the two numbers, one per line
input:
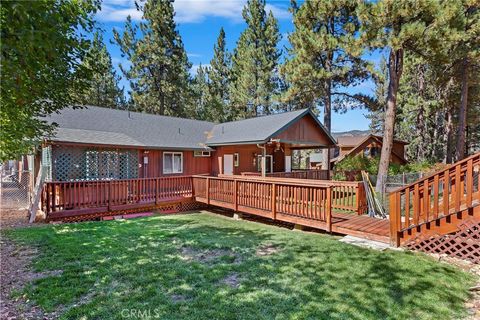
(200, 153)
(236, 159)
(375, 151)
(172, 162)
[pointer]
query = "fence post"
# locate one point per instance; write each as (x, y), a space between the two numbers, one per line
(328, 209)
(274, 201)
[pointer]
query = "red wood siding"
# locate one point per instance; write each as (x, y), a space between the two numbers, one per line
(154, 168)
(304, 130)
(246, 156)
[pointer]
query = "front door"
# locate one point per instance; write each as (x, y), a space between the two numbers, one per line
(228, 164)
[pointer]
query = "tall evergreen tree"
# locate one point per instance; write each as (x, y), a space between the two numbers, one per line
(103, 89)
(254, 63)
(219, 76)
(201, 97)
(159, 74)
(324, 57)
(467, 54)
(401, 27)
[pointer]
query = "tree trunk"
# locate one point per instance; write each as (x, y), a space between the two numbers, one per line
(327, 121)
(449, 136)
(462, 113)
(395, 68)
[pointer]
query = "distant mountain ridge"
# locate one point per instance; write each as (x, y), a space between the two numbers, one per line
(351, 133)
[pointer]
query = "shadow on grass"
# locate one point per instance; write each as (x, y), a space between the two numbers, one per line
(138, 265)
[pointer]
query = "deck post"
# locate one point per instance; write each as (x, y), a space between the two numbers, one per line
(109, 195)
(235, 194)
(207, 189)
(394, 215)
(328, 209)
(156, 190)
(274, 203)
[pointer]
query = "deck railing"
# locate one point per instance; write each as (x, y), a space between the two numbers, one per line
(290, 201)
(108, 194)
(449, 191)
(346, 195)
(302, 174)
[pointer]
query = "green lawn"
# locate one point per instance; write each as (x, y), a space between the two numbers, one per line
(203, 266)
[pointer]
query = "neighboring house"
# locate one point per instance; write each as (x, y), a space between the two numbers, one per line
(98, 143)
(369, 145)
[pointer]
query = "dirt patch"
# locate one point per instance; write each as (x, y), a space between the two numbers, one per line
(267, 250)
(206, 256)
(473, 303)
(13, 218)
(232, 280)
(178, 298)
(15, 274)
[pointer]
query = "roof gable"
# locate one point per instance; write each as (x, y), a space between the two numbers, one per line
(259, 129)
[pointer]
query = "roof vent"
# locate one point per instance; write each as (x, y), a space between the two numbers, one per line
(223, 129)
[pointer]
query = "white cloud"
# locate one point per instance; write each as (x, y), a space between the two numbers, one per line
(193, 55)
(118, 10)
(187, 11)
(194, 68)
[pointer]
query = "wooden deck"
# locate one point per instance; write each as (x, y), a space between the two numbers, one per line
(361, 226)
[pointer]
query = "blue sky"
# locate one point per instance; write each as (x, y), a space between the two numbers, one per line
(199, 22)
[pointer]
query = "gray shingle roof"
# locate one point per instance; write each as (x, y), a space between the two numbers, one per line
(255, 130)
(95, 125)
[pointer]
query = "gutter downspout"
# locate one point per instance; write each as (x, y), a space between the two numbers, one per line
(264, 159)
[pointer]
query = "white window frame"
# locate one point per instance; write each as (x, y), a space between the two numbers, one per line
(201, 153)
(173, 162)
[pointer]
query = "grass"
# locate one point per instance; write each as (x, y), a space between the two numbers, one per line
(203, 266)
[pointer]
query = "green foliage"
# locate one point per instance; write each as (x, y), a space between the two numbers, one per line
(43, 45)
(324, 57)
(103, 89)
(219, 78)
(204, 266)
(159, 74)
(370, 165)
(254, 63)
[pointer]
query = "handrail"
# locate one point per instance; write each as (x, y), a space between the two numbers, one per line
(269, 198)
(449, 167)
(346, 195)
(76, 195)
(439, 195)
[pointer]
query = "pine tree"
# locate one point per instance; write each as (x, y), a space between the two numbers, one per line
(201, 97)
(324, 57)
(103, 89)
(254, 63)
(379, 101)
(401, 27)
(219, 76)
(159, 75)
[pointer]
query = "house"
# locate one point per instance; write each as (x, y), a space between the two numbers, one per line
(95, 143)
(369, 145)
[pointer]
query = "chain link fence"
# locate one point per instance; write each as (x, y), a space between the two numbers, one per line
(15, 189)
(393, 182)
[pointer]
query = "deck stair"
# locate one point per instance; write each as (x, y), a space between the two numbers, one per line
(437, 205)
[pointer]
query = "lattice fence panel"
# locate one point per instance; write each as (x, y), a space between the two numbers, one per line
(78, 164)
(464, 244)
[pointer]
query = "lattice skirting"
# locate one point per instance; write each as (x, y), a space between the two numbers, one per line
(166, 208)
(464, 244)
